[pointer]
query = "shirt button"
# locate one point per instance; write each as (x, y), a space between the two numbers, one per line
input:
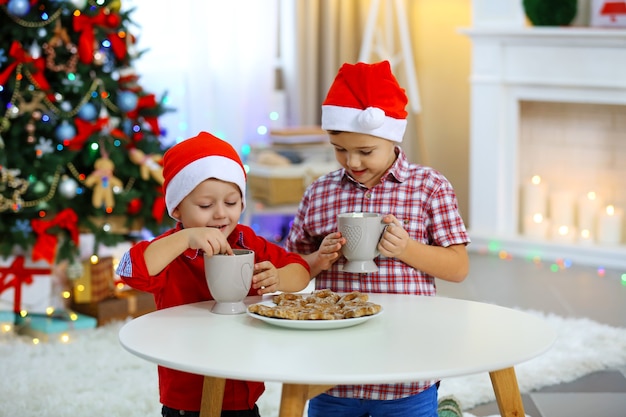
(368, 195)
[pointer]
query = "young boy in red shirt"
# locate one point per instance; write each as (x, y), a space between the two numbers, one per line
(205, 189)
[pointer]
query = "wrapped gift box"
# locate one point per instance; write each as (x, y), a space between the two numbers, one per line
(47, 328)
(96, 283)
(28, 286)
(7, 317)
(7, 321)
(128, 303)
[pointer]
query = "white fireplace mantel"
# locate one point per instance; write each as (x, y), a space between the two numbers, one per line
(572, 65)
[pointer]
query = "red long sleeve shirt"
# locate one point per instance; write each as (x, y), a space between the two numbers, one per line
(183, 282)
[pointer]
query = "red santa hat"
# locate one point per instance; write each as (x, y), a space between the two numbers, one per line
(194, 160)
(366, 98)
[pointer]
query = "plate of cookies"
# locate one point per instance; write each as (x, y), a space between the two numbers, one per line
(321, 309)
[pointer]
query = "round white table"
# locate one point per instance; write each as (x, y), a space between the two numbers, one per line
(414, 338)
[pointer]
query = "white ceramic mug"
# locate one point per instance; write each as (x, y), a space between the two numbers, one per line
(229, 278)
(362, 232)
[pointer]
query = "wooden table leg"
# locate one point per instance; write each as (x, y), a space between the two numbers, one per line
(295, 396)
(509, 399)
(212, 396)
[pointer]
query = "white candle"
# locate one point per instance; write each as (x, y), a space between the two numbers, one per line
(610, 225)
(562, 208)
(563, 233)
(536, 226)
(588, 207)
(535, 197)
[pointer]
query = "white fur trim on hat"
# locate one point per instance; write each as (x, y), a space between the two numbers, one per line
(371, 121)
(188, 178)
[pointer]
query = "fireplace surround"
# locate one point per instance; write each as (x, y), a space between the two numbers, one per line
(520, 75)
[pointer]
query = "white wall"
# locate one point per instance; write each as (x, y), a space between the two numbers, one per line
(216, 61)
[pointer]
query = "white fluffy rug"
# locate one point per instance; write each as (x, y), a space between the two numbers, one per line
(95, 376)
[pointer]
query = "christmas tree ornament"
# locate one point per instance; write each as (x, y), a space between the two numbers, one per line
(61, 40)
(39, 187)
(128, 79)
(127, 101)
(18, 7)
(99, 57)
(65, 131)
(102, 182)
(13, 111)
(149, 165)
(88, 112)
(134, 206)
(79, 4)
(75, 270)
(68, 187)
(115, 6)
(34, 50)
(34, 105)
(66, 106)
(43, 147)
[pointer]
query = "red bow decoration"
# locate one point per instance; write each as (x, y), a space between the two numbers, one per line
(85, 25)
(20, 276)
(158, 207)
(46, 244)
(84, 129)
(20, 56)
(145, 103)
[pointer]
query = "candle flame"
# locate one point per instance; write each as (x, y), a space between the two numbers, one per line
(563, 230)
(536, 179)
(610, 210)
(537, 218)
(585, 234)
(591, 195)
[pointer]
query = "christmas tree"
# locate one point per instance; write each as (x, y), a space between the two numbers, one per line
(80, 142)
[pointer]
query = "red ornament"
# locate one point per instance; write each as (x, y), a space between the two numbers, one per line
(134, 207)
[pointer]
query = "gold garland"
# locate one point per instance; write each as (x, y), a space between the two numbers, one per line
(27, 24)
(51, 192)
(20, 186)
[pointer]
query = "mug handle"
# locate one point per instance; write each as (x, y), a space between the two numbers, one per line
(382, 232)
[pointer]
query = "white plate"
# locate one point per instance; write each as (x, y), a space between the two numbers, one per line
(311, 324)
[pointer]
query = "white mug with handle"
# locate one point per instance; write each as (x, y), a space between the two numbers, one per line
(362, 232)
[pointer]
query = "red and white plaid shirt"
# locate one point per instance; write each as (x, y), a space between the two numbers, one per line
(421, 198)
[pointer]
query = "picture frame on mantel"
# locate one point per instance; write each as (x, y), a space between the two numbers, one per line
(608, 13)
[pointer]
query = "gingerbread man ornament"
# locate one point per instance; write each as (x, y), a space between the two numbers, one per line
(102, 181)
(148, 165)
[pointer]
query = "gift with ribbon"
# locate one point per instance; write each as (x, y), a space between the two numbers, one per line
(45, 327)
(16, 275)
(124, 304)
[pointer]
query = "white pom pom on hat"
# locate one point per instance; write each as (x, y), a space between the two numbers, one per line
(188, 163)
(366, 98)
